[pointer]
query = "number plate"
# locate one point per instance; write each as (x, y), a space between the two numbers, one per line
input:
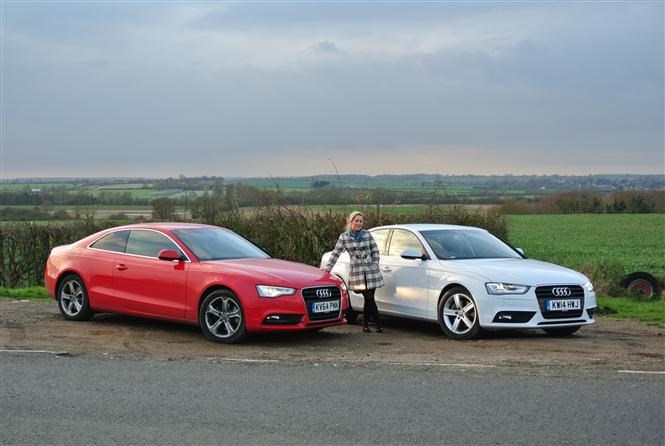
(563, 304)
(324, 307)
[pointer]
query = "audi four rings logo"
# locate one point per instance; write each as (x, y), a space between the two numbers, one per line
(561, 291)
(323, 293)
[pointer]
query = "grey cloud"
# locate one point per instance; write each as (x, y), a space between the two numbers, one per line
(546, 97)
(287, 14)
(326, 47)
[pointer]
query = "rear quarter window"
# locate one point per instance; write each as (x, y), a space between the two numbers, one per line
(115, 242)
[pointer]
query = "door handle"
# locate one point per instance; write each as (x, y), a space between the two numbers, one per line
(120, 267)
(386, 269)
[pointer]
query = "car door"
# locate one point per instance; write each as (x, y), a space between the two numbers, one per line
(405, 291)
(143, 283)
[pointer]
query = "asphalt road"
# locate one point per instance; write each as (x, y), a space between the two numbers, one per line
(47, 399)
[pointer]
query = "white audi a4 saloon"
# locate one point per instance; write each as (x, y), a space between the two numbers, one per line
(467, 280)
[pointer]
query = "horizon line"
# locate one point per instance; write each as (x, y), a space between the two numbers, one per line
(7, 180)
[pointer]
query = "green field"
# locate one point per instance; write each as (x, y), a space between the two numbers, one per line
(304, 184)
(82, 207)
(635, 242)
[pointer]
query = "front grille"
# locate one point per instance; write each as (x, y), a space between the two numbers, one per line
(322, 294)
(544, 293)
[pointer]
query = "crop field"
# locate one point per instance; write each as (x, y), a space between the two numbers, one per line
(407, 209)
(634, 242)
(72, 207)
(302, 184)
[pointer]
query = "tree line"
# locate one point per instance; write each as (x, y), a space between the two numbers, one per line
(589, 202)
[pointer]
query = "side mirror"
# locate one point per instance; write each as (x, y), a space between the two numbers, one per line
(521, 251)
(412, 253)
(169, 254)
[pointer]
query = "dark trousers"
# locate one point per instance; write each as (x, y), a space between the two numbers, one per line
(369, 309)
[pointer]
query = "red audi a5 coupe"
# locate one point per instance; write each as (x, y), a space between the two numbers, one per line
(192, 273)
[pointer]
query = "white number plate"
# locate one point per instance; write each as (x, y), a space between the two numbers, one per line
(563, 304)
(323, 307)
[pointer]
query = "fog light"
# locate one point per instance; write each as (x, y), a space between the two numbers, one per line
(515, 317)
(282, 319)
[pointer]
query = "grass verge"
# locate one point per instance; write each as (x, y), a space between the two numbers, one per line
(651, 311)
(33, 292)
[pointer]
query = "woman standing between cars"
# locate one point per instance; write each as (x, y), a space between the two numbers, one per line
(364, 274)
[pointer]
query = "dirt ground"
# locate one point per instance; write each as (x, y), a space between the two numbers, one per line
(610, 344)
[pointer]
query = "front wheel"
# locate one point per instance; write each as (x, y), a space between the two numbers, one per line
(73, 299)
(221, 317)
(458, 314)
(561, 331)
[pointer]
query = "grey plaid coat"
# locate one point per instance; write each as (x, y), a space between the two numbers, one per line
(364, 271)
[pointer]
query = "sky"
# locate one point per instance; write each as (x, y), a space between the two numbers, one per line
(257, 89)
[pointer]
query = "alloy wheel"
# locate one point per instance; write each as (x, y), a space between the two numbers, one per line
(71, 298)
(223, 317)
(459, 313)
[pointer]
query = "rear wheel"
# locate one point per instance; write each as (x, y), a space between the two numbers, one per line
(458, 314)
(221, 317)
(561, 331)
(73, 299)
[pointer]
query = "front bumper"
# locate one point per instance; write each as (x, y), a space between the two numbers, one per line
(528, 311)
(294, 313)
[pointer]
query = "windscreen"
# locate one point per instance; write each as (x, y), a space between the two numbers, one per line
(467, 244)
(218, 244)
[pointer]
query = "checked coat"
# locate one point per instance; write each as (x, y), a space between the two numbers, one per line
(364, 271)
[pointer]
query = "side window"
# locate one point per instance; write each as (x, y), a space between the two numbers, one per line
(148, 243)
(402, 240)
(115, 241)
(380, 237)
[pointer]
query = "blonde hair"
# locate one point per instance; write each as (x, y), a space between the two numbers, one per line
(352, 216)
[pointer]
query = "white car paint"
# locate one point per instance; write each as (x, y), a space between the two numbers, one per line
(413, 287)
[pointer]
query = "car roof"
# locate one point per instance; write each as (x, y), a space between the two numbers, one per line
(419, 227)
(167, 226)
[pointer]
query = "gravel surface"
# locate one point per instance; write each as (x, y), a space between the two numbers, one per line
(610, 344)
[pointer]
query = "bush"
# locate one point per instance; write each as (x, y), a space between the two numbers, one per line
(285, 232)
(303, 236)
(24, 248)
(606, 277)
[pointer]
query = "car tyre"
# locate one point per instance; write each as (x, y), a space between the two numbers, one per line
(351, 314)
(73, 301)
(458, 314)
(641, 284)
(561, 331)
(221, 317)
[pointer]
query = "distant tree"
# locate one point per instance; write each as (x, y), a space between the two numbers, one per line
(318, 184)
(163, 209)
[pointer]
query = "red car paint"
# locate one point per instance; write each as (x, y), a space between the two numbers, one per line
(149, 287)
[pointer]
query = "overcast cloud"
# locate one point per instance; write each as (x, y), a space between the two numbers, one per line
(258, 89)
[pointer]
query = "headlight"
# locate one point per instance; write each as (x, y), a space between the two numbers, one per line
(506, 288)
(274, 291)
(588, 286)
